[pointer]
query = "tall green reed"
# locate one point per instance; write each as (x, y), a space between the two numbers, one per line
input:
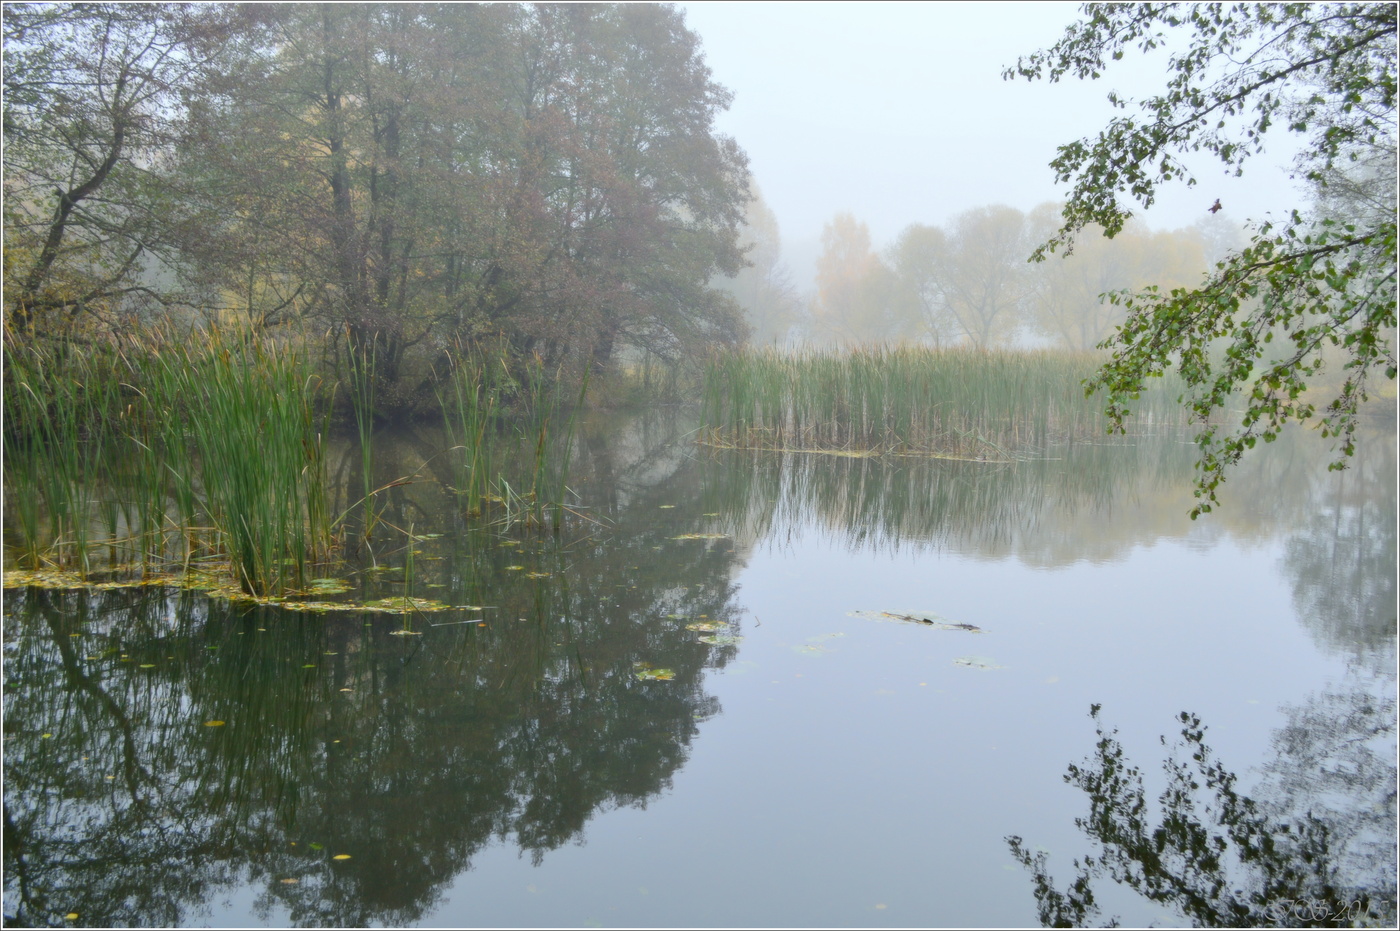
(212, 442)
(904, 399)
(518, 459)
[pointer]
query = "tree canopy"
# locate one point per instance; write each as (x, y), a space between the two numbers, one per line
(1314, 288)
(407, 178)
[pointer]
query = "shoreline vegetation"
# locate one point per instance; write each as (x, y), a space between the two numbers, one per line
(206, 457)
(199, 460)
(964, 404)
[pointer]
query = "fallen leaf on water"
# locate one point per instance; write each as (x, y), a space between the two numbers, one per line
(213, 723)
(71, 916)
(976, 662)
(341, 856)
(315, 846)
(290, 882)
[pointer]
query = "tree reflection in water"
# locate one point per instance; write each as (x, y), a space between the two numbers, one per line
(409, 754)
(1223, 859)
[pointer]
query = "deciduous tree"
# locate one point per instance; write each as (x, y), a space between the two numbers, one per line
(1326, 72)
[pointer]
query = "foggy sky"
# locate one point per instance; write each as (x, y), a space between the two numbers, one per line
(898, 113)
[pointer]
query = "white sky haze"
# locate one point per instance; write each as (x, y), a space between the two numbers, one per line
(898, 113)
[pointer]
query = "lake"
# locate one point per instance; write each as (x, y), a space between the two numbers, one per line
(736, 688)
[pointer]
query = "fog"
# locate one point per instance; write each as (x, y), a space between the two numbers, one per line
(897, 113)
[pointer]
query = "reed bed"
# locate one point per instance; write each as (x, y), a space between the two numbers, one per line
(167, 451)
(905, 399)
(519, 462)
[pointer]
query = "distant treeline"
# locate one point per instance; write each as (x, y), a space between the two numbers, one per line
(970, 283)
(385, 181)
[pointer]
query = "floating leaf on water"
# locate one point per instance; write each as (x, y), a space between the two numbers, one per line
(537, 575)
(341, 856)
(722, 640)
(705, 625)
(976, 662)
(148, 665)
(315, 846)
(309, 666)
(405, 633)
(515, 568)
(213, 723)
(647, 673)
(401, 604)
(71, 916)
(702, 536)
(926, 618)
(328, 586)
(664, 506)
(290, 882)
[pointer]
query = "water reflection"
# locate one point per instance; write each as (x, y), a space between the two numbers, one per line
(1342, 560)
(1090, 501)
(128, 804)
(1222, 859)
(518, 723)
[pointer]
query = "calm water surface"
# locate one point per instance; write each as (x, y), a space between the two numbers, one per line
(569, 752)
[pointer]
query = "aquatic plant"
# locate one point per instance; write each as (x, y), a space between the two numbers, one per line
(214, 441)
(904, 399)
(518, 461)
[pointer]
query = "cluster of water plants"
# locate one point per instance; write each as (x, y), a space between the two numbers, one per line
(474, 405)
(207, 455)
(904, 399)
(168, 451)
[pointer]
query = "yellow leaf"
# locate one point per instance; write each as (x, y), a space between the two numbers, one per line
(213, 723)
(71, 916)
(341, 856)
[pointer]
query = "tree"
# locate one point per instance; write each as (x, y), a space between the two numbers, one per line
(976, 274)
(855, 289)
(764, 288)
(1066, 296)
(417, 177)
(917, 255)
(92, 107)
(1312, 281)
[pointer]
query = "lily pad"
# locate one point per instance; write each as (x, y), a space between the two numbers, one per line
(647, 673)
(722, 640)
(328, 586)
(707, 625)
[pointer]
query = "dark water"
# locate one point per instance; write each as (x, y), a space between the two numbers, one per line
(572, 754)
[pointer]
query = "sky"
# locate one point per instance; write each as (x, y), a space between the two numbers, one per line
(897, 112)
